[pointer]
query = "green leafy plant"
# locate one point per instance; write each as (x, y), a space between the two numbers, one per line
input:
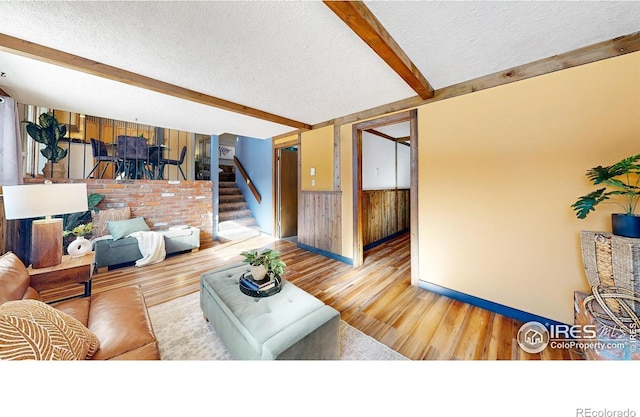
(73, 220)
(622, 180)
(80, 230)
(49, 133)
(268, 257)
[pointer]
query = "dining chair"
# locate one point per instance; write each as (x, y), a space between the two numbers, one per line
(177, 162)
(134, 153)
(155, 155)
(101, 155)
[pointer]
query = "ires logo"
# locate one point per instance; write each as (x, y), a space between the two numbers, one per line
(534, 337)
(564, 332)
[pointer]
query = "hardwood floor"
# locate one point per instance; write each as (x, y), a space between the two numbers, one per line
(376, 298)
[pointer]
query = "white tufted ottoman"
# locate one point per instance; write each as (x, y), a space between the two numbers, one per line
(289, 325)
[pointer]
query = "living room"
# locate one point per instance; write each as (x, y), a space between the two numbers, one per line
(499, 159)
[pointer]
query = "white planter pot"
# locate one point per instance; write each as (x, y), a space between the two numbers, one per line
(258, 272)
(79, 247)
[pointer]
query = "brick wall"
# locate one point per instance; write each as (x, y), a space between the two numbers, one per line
(160, 203)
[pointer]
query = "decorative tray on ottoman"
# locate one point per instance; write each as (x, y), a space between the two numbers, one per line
(252, 288)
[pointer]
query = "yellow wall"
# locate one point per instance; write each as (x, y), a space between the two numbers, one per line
(498, 171)
(317, 152)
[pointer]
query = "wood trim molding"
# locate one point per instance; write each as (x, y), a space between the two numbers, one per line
(357, 128)
(336, 158)
(604, 50)
(74, 62)
(321, 192)
(362, 21)
(413, 198)
(356, 170)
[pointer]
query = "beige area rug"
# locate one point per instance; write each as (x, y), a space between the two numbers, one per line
(184, 334)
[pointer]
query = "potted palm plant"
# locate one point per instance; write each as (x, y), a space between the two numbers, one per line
(49, 132)
(620, 182)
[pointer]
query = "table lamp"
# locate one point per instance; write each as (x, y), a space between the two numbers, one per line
(37, 200)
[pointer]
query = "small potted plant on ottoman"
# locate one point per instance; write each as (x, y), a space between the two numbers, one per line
(266, 262)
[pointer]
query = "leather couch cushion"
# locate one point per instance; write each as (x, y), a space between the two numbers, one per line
(77, 308)
(14, 278)
(31, 329)
(120, 319)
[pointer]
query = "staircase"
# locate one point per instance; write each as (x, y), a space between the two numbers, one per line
(236, 222)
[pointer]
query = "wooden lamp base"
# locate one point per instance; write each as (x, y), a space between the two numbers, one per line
(46, 243)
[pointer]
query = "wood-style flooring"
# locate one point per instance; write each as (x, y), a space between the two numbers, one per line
(376, 298)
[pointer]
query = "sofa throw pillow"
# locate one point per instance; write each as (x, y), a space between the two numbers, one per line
(101, 218)
(124, 228)
(31, 329)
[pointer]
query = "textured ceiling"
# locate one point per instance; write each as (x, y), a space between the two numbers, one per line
(295, 59)
(455, 41)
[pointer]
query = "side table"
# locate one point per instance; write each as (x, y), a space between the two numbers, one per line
(69, 272)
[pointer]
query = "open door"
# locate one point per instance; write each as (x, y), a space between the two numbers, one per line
(410, 116)
(287, 192)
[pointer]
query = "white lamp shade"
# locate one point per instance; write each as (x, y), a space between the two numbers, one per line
(37, 200)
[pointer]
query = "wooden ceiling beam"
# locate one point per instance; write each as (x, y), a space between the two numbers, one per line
(361, 20)
(382, 135)
(401, 141)
(77, 63)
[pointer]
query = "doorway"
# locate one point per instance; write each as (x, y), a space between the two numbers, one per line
(358, 210)
(286, 209)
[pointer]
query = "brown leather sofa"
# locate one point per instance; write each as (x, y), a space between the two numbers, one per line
(118, 317)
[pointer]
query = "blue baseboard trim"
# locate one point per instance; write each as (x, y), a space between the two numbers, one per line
(328, 254)
(385, 239)
(510, 312)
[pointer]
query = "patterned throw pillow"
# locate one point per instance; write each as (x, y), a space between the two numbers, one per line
(31, 329)
(101, 218)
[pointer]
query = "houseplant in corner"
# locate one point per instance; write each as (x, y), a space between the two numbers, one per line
(620, 182)
(49, 133)
(266, 262)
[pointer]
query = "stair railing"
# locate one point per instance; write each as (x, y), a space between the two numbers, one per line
(244, 174)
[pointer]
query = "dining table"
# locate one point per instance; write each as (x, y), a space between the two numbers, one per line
(139, 163)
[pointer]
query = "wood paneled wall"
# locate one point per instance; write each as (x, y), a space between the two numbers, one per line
(320, 220)
(384, 213)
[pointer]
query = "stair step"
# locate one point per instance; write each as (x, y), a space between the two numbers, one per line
(236, 214)
(234, 206)
(237, 223)
(239, 233)
(231, 198)
(227, 191)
